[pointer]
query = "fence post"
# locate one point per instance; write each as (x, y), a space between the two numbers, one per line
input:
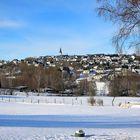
(72, 102)
(38, 101)
(81, 101)
(54, 100)
(63, 100)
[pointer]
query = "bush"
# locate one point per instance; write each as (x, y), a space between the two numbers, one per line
(91, 101)
(99, 102)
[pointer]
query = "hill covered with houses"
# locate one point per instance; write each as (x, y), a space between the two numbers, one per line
(100, 74)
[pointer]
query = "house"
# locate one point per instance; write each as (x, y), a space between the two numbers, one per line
(102, 88)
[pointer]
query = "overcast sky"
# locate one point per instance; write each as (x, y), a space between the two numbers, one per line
(42, 27)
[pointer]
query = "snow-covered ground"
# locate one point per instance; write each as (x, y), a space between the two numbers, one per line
(60, 117)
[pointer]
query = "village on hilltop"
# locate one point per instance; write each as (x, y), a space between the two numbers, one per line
(62, 74)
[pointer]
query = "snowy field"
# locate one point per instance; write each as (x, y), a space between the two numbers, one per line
(57, 118)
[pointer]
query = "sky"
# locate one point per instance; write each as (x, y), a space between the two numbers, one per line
(33, 28)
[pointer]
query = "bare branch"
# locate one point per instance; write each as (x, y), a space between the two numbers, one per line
(126, 13)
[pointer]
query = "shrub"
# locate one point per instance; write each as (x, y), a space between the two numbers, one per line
(91, 101)
(99, 102)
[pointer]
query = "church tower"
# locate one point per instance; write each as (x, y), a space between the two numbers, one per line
(60, 51)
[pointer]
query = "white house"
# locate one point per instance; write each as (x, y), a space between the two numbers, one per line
(102, 88)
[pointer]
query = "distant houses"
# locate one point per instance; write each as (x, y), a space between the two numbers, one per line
(99, 68)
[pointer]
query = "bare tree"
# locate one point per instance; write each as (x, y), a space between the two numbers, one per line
(114, 88)
(91, 88)
(126, 14)
(82, 88)
(3, 81)
(91, 92)
(55, 78)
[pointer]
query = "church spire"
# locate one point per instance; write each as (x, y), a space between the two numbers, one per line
(60, 51)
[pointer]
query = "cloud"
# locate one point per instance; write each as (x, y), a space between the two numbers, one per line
(10, 24)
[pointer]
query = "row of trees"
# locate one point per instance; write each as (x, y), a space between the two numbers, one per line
(37, 78)
(34, 77)
(127, 84)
